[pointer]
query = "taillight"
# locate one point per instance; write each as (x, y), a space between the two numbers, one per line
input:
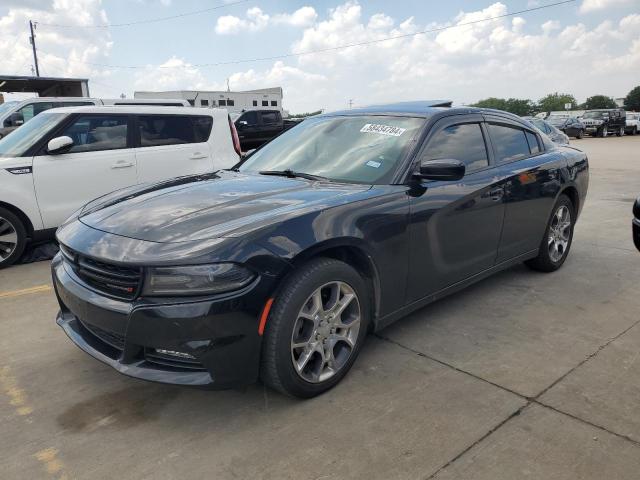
(234, 136)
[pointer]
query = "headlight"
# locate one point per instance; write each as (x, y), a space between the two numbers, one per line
(196, 279)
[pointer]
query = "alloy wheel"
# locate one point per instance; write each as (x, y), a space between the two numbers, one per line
(8, 238)
(326, 331)
(559, 233)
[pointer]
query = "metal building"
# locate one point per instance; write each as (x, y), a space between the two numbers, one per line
(45, 86)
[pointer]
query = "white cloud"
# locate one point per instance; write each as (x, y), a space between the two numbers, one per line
(303, 17)
(594, 5)
(256, 20)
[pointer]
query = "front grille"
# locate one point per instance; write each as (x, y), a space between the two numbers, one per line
(110, 338)
(178, 363)
(113, 280)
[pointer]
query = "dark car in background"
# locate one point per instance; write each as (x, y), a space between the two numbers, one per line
(605, 122)
(278, 268)
(257, 127)
(555, 135)
(570, 126)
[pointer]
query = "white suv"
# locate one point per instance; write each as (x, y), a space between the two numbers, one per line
(65, 157)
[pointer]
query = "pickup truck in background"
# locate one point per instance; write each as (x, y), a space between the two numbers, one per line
(257, 127)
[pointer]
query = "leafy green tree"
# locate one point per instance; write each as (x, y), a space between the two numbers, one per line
(516, 106)
(303, 115)
(599, 101)
(555, 102)
(632, 100)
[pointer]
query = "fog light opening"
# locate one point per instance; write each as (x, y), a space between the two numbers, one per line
(173, 353)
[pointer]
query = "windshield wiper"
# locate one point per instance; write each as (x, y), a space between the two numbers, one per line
(291, 174)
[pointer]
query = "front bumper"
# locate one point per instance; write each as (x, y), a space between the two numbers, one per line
(217, 338)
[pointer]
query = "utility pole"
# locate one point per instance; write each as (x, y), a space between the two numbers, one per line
(32, 39)
(350, 103)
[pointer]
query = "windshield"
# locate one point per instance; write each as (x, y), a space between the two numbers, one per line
(362, 149)
(7, 106)
(595, 115)
(16, 144)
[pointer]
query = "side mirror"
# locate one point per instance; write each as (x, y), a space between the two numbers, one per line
(16, 119)
(59, 145)
(446, 169)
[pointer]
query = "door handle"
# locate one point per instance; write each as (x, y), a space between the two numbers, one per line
(122, 165)
(198, 156)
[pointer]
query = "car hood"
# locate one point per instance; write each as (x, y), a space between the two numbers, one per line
(222, 204)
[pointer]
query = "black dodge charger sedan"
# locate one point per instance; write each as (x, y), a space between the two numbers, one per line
(278, 268)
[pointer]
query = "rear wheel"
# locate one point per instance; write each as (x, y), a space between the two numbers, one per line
(13, 238)
(557, 239)
(316, 328)
(580, 134)
(620, 132)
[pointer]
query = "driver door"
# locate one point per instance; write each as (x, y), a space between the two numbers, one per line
(455, 225)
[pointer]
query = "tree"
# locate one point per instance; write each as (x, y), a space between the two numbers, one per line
(556, 101)
(632, 100)
(516, 106)
(599, 101)
(303, 115)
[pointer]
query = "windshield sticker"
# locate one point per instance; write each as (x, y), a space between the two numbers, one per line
(383, 129)
(373, 164)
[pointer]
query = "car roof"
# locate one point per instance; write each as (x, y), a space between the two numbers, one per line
(58, 99)
(147, 110)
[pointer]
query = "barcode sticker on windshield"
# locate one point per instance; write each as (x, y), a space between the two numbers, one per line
(382, 129)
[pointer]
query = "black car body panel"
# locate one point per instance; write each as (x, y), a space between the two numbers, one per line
(412, 240)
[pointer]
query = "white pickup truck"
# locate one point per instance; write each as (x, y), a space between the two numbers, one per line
(65, 157)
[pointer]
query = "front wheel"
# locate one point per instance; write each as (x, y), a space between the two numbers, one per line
(620, 132)
(580, 134)
(557, 239)
(13, 238)
(316, 328)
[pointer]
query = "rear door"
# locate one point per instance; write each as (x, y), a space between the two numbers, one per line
(172, 145)
(100, 161)
(531, 178)
(455, 225)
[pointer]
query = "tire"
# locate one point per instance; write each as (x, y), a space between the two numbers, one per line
(293, 321)
(634, 131)
(547, 261)
(604, 132)
(13, 238)
(620, 132)
(580, 134)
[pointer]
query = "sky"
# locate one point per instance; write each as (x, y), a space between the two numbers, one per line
(584, 47)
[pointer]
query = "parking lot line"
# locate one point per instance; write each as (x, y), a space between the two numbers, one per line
(26, 291)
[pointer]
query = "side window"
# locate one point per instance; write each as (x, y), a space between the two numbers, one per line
(269, 117)
(250, 117)
(93, 133)
(532, 138)
(255, 103)
(265, 103)
(274, 103)
(158, 130)
(222, 103)
(510, 143)
(33, 109)
(463, 142)
(204, 102)
(230, 103)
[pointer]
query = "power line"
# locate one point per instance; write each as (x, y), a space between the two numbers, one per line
(340, 47)
(151, 20)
